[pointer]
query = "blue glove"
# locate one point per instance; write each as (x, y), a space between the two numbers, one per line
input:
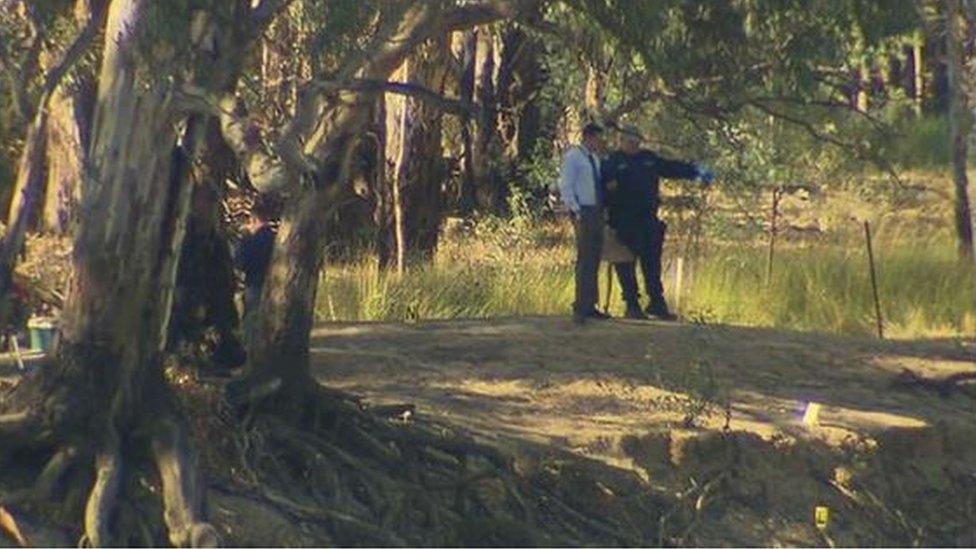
(705, 175)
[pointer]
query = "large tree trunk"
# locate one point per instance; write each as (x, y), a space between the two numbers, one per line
(484, 149)
(278, 344)
(105, 399)
(29, 186)
(528, 77)
(520, 77)
(468, 48)
(414, 156)
(64, 115)
(501, 71)
(133, 212)
(68, 136)
(959, 126)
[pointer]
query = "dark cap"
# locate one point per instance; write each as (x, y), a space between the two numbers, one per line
(592, 129)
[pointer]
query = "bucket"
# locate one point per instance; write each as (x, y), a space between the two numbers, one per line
(43, 333)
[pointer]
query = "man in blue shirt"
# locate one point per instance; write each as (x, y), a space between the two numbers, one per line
(632, 179)
(581, 190)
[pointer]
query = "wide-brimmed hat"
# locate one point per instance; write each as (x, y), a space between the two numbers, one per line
(632, 131)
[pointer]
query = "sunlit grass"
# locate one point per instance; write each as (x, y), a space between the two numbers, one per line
(925, 290)
(362, 291)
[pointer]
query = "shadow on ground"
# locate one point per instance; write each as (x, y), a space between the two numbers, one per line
(894, 463)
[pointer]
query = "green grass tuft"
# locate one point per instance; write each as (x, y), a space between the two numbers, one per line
(925, 290)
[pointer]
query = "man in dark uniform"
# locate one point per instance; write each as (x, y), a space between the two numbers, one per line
(632, 180)
(254, 256)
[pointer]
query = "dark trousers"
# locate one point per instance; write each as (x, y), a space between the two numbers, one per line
(648, 246)
(589, 249)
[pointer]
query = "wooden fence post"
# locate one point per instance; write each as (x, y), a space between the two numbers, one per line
(774, 215)
(874, 281)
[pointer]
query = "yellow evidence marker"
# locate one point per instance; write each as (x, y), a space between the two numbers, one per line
(821, 517)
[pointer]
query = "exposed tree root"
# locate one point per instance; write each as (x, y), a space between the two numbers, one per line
(101, 501)
(182, 490)
(336, 468)
(54, 472)
(374, 478)
(114, 490)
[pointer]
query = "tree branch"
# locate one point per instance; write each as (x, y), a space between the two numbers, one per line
(74, 52)
(269, 173)
(306, 137)
(879, 125)
(420, 22)
(820, 136)
(371, 87)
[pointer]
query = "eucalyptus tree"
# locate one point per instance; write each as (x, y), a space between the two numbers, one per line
(103, 403)
(960, 121)
(167, 68)
(170, 80)
(317, 166)
(968, 81)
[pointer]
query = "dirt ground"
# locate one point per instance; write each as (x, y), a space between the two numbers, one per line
(893, 466)
(546, 380)
(708, 419)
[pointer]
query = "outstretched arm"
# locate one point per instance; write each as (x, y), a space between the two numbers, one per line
(675, 169)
